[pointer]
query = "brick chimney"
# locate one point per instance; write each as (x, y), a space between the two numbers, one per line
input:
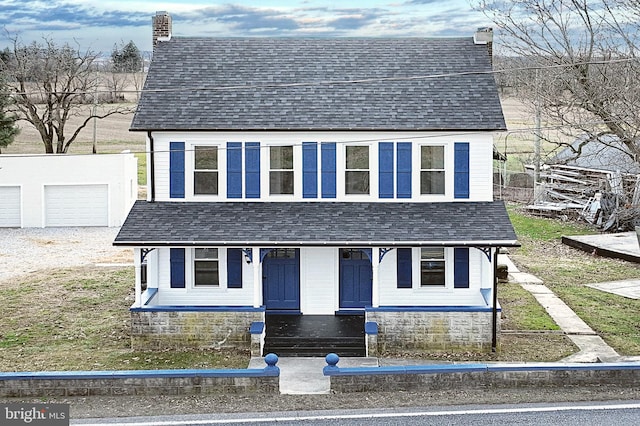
(485, 36)
(161, 27)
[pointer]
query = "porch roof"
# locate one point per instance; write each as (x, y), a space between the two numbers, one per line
(295, 224)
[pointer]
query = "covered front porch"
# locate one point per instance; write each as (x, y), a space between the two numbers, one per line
(418, 273)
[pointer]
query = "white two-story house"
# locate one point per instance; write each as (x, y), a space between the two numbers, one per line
(318, 177)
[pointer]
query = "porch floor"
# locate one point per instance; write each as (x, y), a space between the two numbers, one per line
(315, 335)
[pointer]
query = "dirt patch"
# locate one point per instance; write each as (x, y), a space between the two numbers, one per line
(36, 249)
(40, 242)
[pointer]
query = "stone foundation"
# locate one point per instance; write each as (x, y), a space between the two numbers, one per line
(192, 329)
(432, 330)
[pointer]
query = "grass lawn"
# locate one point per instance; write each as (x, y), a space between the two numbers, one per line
(142, 168)
(566, 271)
(78, 319)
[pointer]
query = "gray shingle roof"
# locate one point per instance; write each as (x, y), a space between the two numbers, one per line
(316, 223)
(240, 84)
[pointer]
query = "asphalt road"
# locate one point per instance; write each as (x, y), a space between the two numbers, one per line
(620, 413)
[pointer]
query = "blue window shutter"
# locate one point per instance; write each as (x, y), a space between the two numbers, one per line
(385, 164)
(176, 258)
(461, 171)
(234, 169)
(309, 170)
(234, 268)
(404, 268)
(252, 169)
(176, 170)
(461, 268)
(404, 169)
(328, 154)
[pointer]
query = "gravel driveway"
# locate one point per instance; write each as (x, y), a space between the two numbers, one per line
(33, 249)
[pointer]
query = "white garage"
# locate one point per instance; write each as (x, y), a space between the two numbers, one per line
(76, 205)
(10, 210)
(67, 190)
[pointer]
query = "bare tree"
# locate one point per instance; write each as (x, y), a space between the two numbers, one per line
(576, 61)
(52, 84)
(116, 82)
(139, 76)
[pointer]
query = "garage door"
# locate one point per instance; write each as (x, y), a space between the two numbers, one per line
(10, 206)
(76, 205)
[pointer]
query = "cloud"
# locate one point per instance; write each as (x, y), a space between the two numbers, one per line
(244, 18)
(41, 16)
(316, 21)
(355, 19)
(413, 2)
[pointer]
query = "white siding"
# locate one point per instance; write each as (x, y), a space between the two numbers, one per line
(390, 295)
(76, 205)
(10, 207)
(481, 154)
(318, 281)
(481, 170)
(161, 166)
(202, 296)
(164, 276)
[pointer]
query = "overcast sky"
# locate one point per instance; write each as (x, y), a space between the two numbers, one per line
(100, 24)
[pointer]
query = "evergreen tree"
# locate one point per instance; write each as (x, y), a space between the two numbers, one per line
(127, 58)
(8, 128)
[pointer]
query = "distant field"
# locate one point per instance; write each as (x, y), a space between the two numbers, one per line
(518, 142)
(113, 135)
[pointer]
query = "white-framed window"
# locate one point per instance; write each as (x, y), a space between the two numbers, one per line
(432, 170)
(205, 170)
(206, 267)
(281, 176)
(357, 173)
(432, 267)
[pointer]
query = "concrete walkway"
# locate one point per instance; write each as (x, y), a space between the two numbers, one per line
(592, 347)
(303, 376)
(624, 288)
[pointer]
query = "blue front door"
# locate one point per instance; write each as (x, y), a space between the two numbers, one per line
(356, 278)
(281, 279)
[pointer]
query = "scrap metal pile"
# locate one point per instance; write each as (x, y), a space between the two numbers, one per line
(609, 200)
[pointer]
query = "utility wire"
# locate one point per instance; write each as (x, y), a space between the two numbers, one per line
(340, 82)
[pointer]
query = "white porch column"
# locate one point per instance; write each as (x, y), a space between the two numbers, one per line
(138, 277)
(375, 290)
(257, 277)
